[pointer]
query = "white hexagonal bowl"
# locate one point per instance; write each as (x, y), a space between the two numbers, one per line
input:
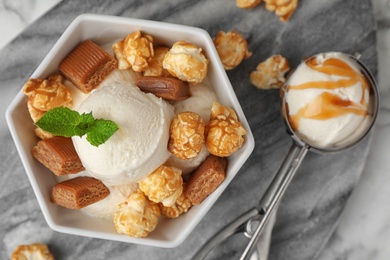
(104, 29)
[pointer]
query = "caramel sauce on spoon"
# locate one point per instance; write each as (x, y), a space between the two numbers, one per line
(328, 105)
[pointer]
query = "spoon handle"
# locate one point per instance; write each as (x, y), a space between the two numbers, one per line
(261, 213)
(237, 226)
(275, 192)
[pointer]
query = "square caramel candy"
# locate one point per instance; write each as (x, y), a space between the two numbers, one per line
(79, 192)
(59, 155)
(87, 65)
(206, 179)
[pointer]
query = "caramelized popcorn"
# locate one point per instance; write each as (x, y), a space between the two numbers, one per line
(186, 61)
(186, 135)
(283, 8)
(163, 185)
(42, 134)
(32, 252)
(247, 4)
(270, 73)
(46, 94)
(224, 133)
(134, 51)
(155, 67)
(137, 216)
(182, 205)
(232, 48)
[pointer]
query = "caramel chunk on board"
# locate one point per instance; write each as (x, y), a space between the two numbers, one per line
(87, 65)
(206, 179)
(164, 87)
(59, 155)
(79, 192)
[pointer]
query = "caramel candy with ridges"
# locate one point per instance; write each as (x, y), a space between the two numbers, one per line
(59, 155)
(79, 192)
(164, 87)
(87, 65)
(206, 179)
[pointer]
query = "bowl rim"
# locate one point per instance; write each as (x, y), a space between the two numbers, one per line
(249, 143)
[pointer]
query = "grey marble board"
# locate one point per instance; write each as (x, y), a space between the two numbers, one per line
(316, 197)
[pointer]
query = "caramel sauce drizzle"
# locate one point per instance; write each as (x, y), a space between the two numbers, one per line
(328, 105)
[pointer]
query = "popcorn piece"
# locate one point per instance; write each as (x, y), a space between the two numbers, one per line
(270, 73)
(137, 216)
(186, 135)
(163, 185)
(186, 61)
(46, 94)
(247, 4)
(182, 205)
(155, 67)
(134, 51)
(224, 133)
(283, 8)
(32, 252)
(42, 134)
(232, 48)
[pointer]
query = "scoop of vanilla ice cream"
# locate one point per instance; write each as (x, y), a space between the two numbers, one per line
(106, 208)
(334, 130)
(139, 146)
(120, 75)
(201, 101)
(187, 166)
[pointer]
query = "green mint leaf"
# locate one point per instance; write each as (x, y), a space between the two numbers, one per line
(62, 121)
(101, 130)
(85, 123)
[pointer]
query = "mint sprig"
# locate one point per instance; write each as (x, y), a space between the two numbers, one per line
(62, 121)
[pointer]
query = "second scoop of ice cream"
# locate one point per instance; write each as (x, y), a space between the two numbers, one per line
(328, 101)
(139, 146)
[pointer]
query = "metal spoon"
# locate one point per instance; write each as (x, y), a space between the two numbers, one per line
(270, 200)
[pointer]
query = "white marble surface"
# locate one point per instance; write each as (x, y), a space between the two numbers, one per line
(16, 15)
(363, 231)
(364, 228)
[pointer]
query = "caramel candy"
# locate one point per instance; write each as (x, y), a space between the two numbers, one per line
(87, 65)
(164, 87)
(206, 179)
(79, 192)
(59, 155)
